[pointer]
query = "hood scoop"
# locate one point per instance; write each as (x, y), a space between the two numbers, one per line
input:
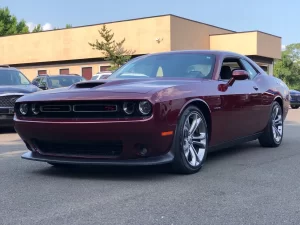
(89, 84)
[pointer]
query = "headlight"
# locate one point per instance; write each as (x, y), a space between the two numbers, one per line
(145, 107)
(128, 107)
(23, 109)
(35, 109)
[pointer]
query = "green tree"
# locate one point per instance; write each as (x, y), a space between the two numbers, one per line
(37, 28)
(68, 25)
(9, 24)
(288, 67)
(112, 50)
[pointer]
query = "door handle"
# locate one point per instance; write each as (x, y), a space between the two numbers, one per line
(256, 88)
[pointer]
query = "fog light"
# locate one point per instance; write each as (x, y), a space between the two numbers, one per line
(143, 151)
(35, 109)
(23, 109)
(128, 107)
(145, 107)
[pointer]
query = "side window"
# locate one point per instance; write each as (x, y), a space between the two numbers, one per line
(23, 79)
(252, 72)
(44, 81)
(36, 81)
(160, 72)
(228, 65)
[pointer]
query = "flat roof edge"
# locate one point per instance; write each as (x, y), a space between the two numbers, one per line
(250, 31)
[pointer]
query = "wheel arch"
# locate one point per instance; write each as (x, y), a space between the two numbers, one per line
(280, 101)
(204, 107)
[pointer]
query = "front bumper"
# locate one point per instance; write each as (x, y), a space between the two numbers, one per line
(6, 117)
(132, 134)
(163, 159)
(294, 103)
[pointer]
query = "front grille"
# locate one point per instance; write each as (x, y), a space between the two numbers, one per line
(81, 109)
(295, 97)
(55, 108)
(76, 148)
(95, 108)
(8, 100)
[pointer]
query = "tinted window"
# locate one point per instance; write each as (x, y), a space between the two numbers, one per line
(174, 65)
(95, 77)
(252, 72)
(12, 77)
(63, 81)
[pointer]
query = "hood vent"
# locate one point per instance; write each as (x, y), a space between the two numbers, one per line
(89, 84)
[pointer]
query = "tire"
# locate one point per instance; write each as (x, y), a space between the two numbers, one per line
(294, 106)
(268, 139)
(183, 140)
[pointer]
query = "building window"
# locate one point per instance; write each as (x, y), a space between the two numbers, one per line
(40, 72)
(87, 72)
(104, 68)
(64, 71)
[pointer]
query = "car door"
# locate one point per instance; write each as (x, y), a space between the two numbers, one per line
(258, 112)
(237, 105)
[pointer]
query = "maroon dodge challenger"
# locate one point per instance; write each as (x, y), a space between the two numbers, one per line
(164, 108)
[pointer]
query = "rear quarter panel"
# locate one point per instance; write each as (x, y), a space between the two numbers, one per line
(273, 88)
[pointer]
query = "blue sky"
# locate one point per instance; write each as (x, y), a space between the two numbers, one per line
(277, 17)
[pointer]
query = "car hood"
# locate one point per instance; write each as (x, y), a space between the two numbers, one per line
(294, 92)
(141, 86)
(111, 89)
(22, 89)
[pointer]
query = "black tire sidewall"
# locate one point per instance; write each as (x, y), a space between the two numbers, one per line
(180, 159)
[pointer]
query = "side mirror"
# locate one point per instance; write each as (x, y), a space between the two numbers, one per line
(240, 75)
(236, 75)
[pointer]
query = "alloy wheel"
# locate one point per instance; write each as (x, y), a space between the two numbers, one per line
(194, 139)
(277, 124)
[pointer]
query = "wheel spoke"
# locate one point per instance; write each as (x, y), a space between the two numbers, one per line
(187, 152)
(276, 131)
(185, 144)
(202, 136)
(275, 113)
(194, 156)
(195, 124)
(201, 152)
(278, 120)
(201, 143)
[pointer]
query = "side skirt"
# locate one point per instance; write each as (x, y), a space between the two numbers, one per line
(234, 142)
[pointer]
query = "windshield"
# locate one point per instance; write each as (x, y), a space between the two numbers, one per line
(64, 81)
(13, 77)
(95, 77)
(173, 65)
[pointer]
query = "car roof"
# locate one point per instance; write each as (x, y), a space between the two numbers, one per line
(214, 52)
(7, 67)
(59, 75)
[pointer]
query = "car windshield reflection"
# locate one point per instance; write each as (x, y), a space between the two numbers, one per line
(12, 77)
(175, 65)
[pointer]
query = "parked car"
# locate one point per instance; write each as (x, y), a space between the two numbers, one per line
(13, 85)
(46, 82)
(295, 99)
(101, 75)
(201, 101)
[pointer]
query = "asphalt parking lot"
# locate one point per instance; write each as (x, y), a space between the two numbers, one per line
(242, 185)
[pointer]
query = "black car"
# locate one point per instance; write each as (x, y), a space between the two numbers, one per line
(295, 99)
(56, 81)
(13, 85)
